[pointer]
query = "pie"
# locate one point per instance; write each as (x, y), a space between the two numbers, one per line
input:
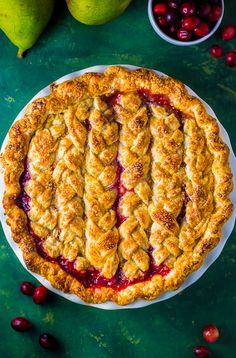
(117, 185)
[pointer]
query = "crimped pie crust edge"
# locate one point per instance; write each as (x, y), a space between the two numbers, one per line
(62, 96)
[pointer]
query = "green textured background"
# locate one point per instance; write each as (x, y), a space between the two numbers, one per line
(164, 330)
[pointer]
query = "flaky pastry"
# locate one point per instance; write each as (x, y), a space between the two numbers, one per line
(117, 185)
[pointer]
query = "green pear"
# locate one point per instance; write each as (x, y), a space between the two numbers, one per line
(24, 20)
(96, 12)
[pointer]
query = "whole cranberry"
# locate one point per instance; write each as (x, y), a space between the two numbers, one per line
(162, 21)
(201, 30)
(48, 341)
(211, 333)
(190, 22)
(228, 32)
(201, 352)
(41, 295)
(174, 4)
(215, 13)
(231, 58)
(171, 17)
(204, 9)
(184, 35)
(160, 8)
(20, 324)
(216, 51)
(188, 8)
(27, 288)
(173, 30)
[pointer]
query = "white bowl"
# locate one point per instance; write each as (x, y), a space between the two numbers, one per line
(169, 39)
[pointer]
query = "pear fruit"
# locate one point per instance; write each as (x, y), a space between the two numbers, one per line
(24, 20)
(96, 12)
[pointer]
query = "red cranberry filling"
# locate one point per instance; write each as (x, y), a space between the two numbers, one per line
(113, 98)
(23, 199)
(182, 213)
(92, 278)
(121, 190)
(87, 125)
(149, 98)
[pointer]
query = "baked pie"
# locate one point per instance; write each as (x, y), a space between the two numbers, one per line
(117, 185)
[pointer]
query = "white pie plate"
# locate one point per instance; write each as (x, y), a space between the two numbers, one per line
(212, 256)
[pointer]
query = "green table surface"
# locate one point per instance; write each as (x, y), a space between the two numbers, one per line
(167, 329)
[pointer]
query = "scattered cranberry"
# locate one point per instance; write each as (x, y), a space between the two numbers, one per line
(188, 8)
(215, 13)
(20, 324)
(202, 30)
(184, 35)
(190, 22)
(231, 58)
(162, 21)
(216, 51)
(160, 8)
(204, 9)
(47, 341)
(201, 352)
(41, 294)
(228, 32)
(27, 288)
(211, 333)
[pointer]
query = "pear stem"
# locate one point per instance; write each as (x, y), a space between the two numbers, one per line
(20, 53)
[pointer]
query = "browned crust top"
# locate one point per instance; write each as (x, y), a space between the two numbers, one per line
(96, 84)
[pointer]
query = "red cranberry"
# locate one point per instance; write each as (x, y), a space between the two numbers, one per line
(27, 288)
(211, 333)
(162, 21)
(160, 8)
(174, 4)
(228, 32)
(184, 35)
(216, 51)
(20, 324)
(47, 341)
(190, 22)
(201, 352)
(41, 294)
(188, 8)
(173, 29)
(231, 58)
(171, 17)
(204, 9)
(215, 13)
(202, 30)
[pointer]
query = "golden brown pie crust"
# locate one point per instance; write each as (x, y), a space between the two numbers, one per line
(151, 206)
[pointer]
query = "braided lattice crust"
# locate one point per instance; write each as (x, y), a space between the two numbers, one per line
(122, 173)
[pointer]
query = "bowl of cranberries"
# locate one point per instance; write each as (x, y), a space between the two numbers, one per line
(185, 22)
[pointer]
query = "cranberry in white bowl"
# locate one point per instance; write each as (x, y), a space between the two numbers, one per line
(185, 22)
